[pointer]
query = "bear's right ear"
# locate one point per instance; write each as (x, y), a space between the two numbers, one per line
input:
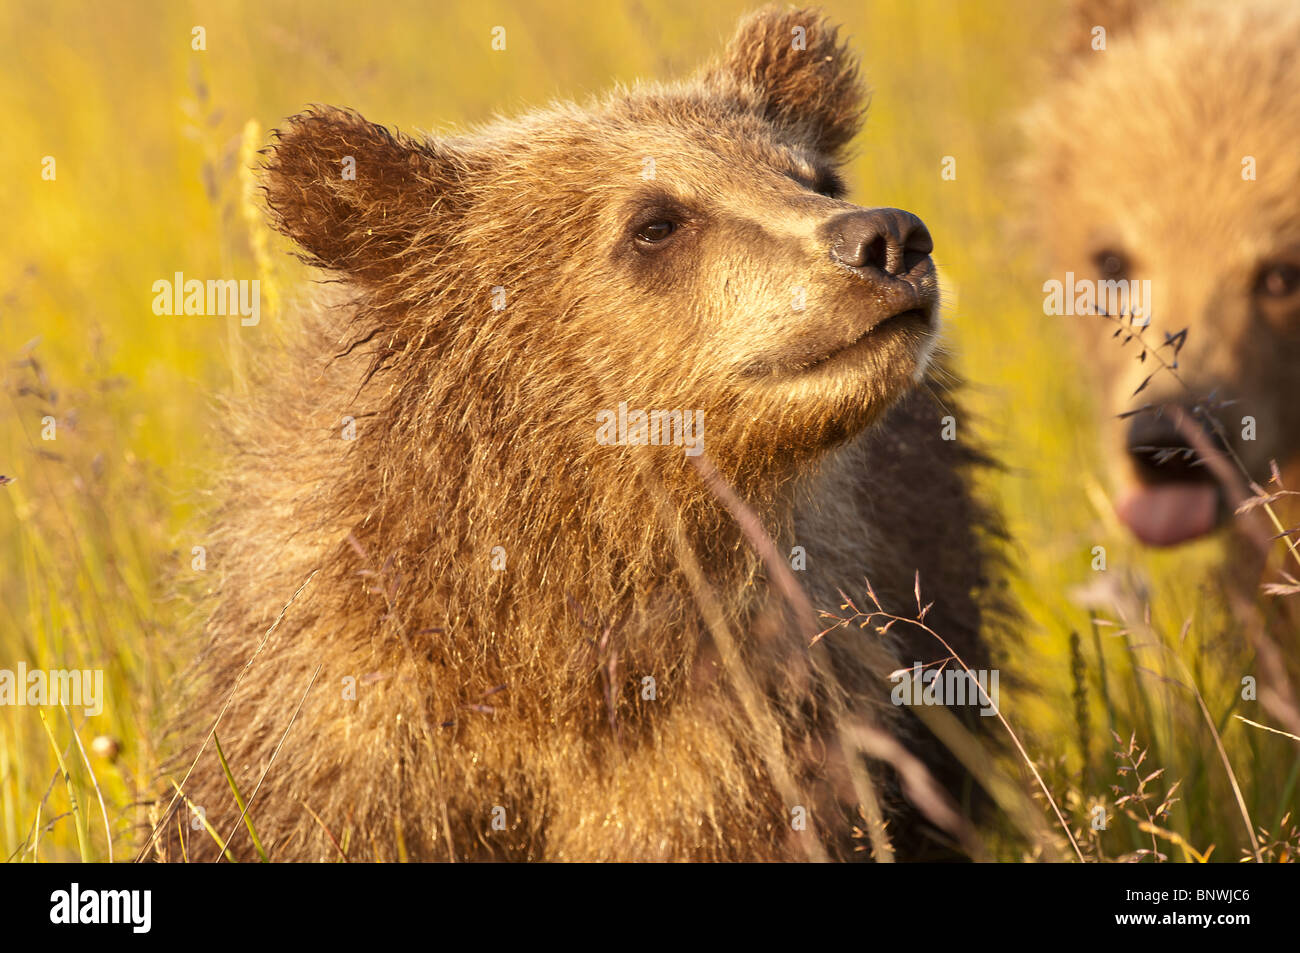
(356, 197)
(790, 66)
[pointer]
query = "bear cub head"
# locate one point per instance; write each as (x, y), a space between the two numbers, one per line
(682, 245)
(1176, 234)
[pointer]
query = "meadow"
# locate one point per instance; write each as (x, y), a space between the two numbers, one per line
(1121, 684)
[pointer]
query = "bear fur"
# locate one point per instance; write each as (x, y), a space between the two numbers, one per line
(477, 632)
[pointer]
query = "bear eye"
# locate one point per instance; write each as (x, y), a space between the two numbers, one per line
(1110, 263)
(823, 181)
(1280, 280)
(654, 232)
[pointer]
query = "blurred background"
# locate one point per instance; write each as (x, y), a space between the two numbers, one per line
(152, 140)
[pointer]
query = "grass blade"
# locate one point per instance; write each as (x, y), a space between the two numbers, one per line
(239, 799)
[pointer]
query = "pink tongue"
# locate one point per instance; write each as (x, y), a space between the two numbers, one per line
(1169, 513)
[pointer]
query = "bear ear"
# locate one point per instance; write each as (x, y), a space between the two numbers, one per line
(356, 197)
(791, 67)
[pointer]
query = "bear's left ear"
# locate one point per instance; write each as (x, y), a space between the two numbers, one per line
(358, 199)
(790, 66)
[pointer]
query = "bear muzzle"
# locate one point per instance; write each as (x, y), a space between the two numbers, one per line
(1175, 497)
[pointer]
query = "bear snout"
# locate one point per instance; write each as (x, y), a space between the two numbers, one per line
(1175, 497)
(886, 240)
(1162, 453)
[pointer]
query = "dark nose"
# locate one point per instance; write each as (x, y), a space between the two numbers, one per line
(1161, 450)
(889, 239)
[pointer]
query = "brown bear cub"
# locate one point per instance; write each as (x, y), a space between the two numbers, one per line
(1167, 167)
(483, 589)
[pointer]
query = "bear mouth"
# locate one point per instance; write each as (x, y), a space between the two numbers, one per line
(914, 319)
(1172, 497)
(897, 342)
(1171, 512)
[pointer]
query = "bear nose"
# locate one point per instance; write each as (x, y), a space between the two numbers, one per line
(1161, 450)
(889, 239)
